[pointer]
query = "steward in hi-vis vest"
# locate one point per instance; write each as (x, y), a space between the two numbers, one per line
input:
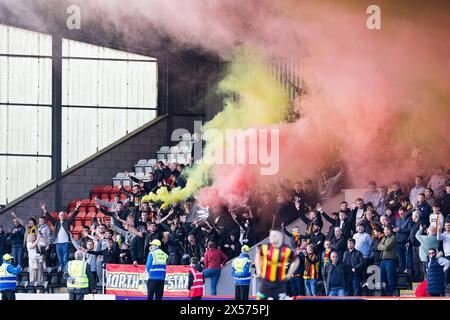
(196, 282)
(242, 273)
(156, 269)
(8, 278)
(80, 280)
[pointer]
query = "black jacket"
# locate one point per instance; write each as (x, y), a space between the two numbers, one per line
(286, 213)
(346, 227)
(4, 243)
(339, 245)
(445, 205)
(137, 251)
(326, 274)
(352, 217)
(352, 260)
(148, 185)
(109, 256)
(318, 241)
(66, 223)
(17, 238)
(412, 234)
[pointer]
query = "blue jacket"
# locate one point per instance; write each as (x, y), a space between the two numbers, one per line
(8, 274)
(241, 271)
(435, 277)
(156, 265)
(405, 227)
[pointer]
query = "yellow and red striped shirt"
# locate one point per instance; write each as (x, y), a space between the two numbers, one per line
(275, 262)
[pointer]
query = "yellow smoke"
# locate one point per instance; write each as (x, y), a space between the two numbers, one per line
(261, 101)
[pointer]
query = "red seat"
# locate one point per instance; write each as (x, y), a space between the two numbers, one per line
(88, 222)
(101, 215)
(104, 196)
(92, 209)
(78, 223)
(90, 215)
(123, 196)
(80, 216)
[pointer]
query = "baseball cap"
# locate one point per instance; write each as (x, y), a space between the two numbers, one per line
(245, 248)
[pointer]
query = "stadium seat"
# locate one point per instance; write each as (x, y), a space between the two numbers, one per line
(104, 195)
(42, 286)
(149, 167)
(181, 158)
(80, 216)
(31, 287)
(95, 192)
(47, 272)
(126, 182)
(139, 167)
(25, 274)
(123, 196)
(118, 179)
(21, 287)
(55, 282)
(88, 222)
(171, 158)
(90, 215)
(100, 215)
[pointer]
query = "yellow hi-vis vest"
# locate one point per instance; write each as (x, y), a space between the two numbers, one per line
(77, 270)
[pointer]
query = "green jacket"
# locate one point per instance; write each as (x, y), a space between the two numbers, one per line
(388, 249)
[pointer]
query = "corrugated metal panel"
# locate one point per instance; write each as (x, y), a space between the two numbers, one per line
(109, 83)
(25, 130)
(21, 41)
(71, 48)
(105, 83)
(21, 174)
(86, 131)
(25, 80)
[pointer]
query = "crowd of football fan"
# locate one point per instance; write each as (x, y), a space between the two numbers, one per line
(394, 229)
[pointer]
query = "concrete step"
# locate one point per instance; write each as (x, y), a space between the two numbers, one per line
(406, 293)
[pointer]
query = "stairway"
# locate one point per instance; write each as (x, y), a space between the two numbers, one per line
(410, 293)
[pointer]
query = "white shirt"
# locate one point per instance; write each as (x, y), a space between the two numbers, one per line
(62, 237)
(32, 253)
(359, 215)
(437, 220)
(445, 238)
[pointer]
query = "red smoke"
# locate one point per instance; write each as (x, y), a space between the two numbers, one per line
(378, 93)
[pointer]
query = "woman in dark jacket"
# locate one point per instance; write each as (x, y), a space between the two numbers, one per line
(436, 268)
